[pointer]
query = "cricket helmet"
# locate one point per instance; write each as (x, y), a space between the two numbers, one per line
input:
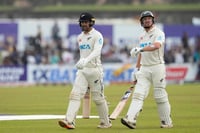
(146, 14)
(87, 17)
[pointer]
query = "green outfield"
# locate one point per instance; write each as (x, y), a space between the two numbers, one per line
(107, 7)
(50, 99)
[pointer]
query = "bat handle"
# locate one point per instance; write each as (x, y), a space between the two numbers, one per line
(134, 83)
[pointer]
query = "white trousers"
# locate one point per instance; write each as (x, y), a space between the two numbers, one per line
(93, 78)
(147, 76)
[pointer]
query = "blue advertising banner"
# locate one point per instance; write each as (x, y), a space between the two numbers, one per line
(178, 30)
(13, 73)
(67, 74)
(106, 30)
(8, 33)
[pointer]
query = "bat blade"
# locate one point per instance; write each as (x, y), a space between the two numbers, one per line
(118, 109)
(120, 106)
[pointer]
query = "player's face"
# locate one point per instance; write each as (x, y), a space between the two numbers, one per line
(147, 22)
(85, 26)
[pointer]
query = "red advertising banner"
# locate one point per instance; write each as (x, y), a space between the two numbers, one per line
(176, 73)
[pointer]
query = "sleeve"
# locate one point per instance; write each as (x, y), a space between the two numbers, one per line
(160, 38)
(98, 44)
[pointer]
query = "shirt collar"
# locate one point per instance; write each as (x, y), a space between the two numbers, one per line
(151, 30)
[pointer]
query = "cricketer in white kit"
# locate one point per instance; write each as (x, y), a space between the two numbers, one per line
(90, 73)
(151, 71)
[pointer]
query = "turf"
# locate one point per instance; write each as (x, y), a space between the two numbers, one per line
(107, 7)
(115, 7)
(54, 99)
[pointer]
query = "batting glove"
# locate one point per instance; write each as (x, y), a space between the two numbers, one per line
(135, 51)
(134, 79)
(81, 63)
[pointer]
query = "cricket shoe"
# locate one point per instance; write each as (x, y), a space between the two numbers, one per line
(164, 125)
(127, 123)
(103, 125)
(66, 124)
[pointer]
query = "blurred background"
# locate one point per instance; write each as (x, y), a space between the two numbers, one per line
(38, 38)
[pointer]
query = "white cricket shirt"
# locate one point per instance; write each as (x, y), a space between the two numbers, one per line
(148, 38)
(90, 46)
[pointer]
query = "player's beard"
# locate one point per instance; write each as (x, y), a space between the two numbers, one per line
(148, 27)
(86, 28)
(83, 28)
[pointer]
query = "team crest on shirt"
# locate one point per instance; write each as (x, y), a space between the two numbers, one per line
(89, 38)
(150, 36)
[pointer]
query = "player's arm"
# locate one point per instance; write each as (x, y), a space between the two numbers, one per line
(96, 50)
(138, 62)
(152, 47)
(95, 53)
(159, 40)
(136, 69)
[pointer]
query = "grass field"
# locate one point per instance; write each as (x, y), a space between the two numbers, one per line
(107, 7)
(185, 101)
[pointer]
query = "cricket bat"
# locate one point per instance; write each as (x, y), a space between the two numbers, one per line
(86, 105)
(118, 109)
(120, 70)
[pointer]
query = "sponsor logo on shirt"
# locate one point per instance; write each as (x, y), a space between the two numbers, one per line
(84, 46)
(144, 44)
